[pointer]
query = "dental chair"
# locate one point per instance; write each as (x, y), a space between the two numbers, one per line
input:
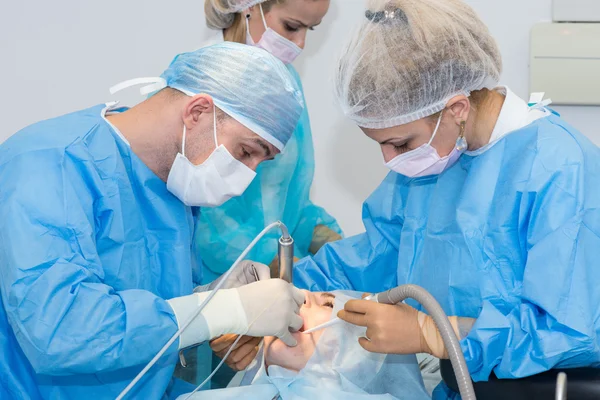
(584, 384)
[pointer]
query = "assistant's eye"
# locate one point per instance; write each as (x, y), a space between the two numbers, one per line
(245, 152)
(290, 28)
(403, 148)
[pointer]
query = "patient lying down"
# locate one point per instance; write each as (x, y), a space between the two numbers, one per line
(326, 364)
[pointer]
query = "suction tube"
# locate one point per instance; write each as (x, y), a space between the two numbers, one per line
(401, 293)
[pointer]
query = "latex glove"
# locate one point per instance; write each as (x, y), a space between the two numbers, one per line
(245, 273)
(264, 308)
(400, 329)
(322, 234)
(271, 309)
(242, 355)
(433, 339)
(390, 329)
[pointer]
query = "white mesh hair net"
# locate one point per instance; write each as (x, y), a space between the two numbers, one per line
(409, 57)
(339, 369)
(234, 6)
(246, 82)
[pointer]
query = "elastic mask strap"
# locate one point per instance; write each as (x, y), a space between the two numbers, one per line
(248, 26)
(183, 140)
(214, 132)
(248, 21)
(215, 125)
(262, 14)
(436, 127)
(153, 85)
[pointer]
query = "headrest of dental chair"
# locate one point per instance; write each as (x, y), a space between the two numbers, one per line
(582, 384)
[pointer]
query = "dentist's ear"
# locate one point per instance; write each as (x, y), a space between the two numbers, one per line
(195, 107)
(459, 108)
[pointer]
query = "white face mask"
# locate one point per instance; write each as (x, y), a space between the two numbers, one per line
(211, 183)
(425, 160)
(273, 42)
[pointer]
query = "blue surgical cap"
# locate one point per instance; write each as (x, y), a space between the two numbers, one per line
(246, 82)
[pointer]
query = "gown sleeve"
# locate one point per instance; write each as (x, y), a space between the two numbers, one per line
(307, 214)
(554, 321)
(366, 262)
(66, 320)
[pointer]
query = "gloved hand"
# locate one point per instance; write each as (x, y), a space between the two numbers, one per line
(390, 329)
(271, 308)
(399, 329)
(243, 354)
(265, 308)
(434, 344)
(246, 272)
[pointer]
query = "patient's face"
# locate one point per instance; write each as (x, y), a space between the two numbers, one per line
(315, 311)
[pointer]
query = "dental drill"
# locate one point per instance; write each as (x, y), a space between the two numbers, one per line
(285, 255)
(286, 258)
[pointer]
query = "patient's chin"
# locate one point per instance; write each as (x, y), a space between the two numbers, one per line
(292, 358)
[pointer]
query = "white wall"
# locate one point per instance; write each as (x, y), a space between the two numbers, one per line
(62, 55)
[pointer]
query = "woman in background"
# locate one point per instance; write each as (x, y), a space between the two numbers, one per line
(281, 190)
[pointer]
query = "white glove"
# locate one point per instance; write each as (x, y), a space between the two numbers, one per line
(265, 308)
(245, 273)
(272, 308)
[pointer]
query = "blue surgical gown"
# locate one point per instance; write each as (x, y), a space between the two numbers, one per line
(280, 191)
(91, 245)
(509, 237)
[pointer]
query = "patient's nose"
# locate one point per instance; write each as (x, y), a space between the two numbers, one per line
(307, 298)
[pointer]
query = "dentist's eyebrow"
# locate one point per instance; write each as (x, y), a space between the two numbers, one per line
(265, 148)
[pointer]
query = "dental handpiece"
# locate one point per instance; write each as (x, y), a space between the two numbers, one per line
(285, 255)
(336, 320)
